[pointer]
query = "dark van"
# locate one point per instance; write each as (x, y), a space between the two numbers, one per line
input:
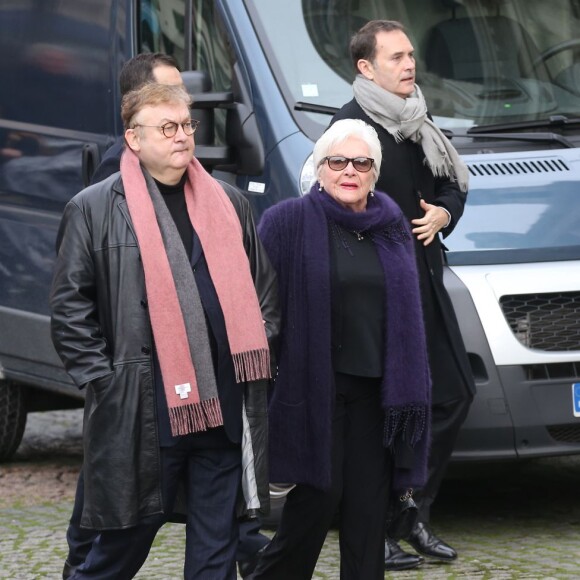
(502, 77)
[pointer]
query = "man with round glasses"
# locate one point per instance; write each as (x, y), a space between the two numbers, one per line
(163, 307)
(423, 173)
(170, 129)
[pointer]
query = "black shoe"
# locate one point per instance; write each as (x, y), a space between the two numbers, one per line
(397, 559)
(68, 570)
(428, 544)
(246, 567)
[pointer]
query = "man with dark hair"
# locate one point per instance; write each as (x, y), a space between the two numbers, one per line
(138, 71)
(424, 174)
(148, 67)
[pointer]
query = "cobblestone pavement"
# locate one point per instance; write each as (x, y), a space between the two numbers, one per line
(507, 521)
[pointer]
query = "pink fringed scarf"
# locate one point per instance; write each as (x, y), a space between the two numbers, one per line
(190, 387)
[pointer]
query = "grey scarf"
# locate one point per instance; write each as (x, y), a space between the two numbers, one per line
(407, 119)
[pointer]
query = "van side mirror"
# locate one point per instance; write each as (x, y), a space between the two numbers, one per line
(198, 85)
(242, 131)
(243, 152)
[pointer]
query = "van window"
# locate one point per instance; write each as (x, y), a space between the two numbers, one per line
(54, 58)
(212, 52)
(162, 29)
(211, 49)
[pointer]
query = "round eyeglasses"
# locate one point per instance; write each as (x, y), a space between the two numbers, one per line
(338, 163)
(170, 129)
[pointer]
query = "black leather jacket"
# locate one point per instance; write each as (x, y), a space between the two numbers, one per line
(102, 332)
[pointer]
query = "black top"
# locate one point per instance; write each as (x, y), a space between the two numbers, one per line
(358, 303)
(174, 197)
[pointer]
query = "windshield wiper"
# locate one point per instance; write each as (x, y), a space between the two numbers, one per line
(314, 108)
(552, 121)
(544, 137)
(480, 132)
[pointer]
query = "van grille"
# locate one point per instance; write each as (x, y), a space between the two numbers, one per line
(544, 321)
(553, 371)
(518, 167)
(565, 433)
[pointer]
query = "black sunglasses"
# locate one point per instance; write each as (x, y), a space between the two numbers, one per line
(338, 163)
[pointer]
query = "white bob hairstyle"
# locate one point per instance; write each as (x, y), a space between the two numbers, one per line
(338, 133)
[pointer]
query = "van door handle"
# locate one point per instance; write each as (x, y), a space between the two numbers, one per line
(91, 159)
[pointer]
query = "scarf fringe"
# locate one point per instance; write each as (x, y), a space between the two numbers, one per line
(195, 417)
(252, 365)
(409, 420)
(397, 135)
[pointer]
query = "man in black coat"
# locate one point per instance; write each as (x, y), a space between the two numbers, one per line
(423, 173)
(136, 72)
(151, 268)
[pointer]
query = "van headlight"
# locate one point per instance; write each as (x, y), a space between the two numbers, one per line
(307, 175)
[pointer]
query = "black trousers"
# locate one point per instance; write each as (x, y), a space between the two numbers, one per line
(447, 419)
(212, 477)
(80, 540)
(360, 487)
(451, 400)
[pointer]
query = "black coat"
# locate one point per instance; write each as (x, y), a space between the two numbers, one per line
(102, 332)
(406, 178)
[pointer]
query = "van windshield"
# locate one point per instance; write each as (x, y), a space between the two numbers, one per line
(479, 62)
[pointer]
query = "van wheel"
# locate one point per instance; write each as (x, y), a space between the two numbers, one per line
(12, 418)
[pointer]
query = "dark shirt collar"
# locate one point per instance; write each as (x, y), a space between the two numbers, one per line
(165, 189)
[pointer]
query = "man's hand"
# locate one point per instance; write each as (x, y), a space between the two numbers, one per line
(435, 219)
